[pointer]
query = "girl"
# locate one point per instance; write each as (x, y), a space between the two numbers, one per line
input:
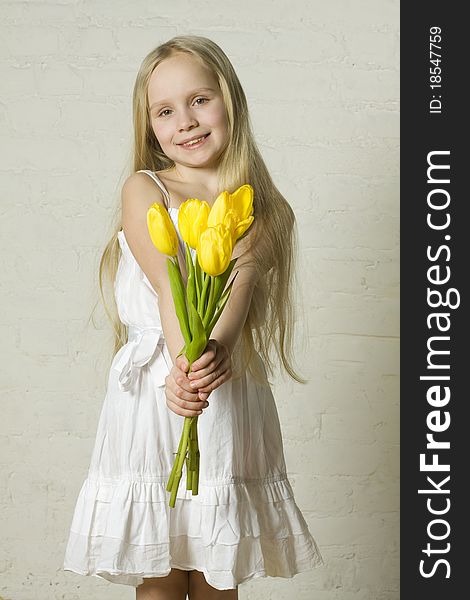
(193, 139)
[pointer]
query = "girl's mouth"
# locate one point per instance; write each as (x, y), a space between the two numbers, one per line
(195, 143)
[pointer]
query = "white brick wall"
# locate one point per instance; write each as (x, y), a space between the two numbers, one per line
(323, 87)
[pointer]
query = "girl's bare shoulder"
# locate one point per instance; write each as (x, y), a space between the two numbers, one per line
(139, 188)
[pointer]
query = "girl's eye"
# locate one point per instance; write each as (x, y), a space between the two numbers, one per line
(162, 114)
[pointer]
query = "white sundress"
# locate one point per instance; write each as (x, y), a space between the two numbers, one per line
(244, 522)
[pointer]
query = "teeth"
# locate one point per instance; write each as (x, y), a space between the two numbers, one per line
(192, 142)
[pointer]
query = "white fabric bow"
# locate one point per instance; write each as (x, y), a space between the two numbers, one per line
(139, 350)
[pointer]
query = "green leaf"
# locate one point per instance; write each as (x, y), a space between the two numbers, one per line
(177, 291)
(191, 285)
(209, 312)
(199, 341)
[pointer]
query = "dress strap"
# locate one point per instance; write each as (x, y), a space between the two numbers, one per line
(159, 183)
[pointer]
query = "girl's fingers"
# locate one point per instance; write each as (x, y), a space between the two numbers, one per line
(213, 365)
(183, 412)
(214, 385)
(182, 363)
(215, 380)
(179, 402)
(205, 367)
(206, 358)
(180, 392)
(180, 378)
(200, 385)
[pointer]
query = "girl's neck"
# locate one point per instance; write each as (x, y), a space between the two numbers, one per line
(197, 178)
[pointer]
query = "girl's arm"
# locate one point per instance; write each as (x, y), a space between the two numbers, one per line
(230, 324)
(138, 194)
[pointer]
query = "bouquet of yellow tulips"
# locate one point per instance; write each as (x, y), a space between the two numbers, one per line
(212, 232)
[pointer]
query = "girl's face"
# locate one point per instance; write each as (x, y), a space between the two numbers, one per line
(185, 103)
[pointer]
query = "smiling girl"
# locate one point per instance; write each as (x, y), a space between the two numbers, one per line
(193, 139)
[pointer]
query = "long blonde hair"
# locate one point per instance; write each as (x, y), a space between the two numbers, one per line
(273, 237)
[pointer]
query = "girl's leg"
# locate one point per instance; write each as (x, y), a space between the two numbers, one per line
(172, 587)
(199, 589)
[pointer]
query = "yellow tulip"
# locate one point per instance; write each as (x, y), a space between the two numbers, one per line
(241, 202)
(192, 220)
(214, 249)
(162, 231)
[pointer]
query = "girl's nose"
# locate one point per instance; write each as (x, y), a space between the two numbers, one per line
(187, 120)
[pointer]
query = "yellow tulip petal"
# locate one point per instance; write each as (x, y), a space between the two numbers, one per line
(242, 201)
(218, 210)
(161, 230)
(241, 227)
(192, 219)
(214, 249)
(231, 220)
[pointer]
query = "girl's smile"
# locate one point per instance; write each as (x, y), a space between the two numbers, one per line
(195, 142)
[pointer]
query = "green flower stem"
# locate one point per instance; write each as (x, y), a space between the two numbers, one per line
(196, 476)
(195, 472)
(192, 461)
(189, 473)
(201, 307)
(193, 446)
(198, 276)
(173, 471)
(208, 313)
(180, 460)
(189, 441)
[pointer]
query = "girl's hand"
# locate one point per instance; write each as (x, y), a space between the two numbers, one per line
(210, 370)
(180, 397)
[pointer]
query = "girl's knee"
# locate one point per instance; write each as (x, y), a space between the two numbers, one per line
(174, 585)
(199, 589)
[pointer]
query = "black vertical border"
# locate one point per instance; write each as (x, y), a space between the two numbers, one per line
(421, 133)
